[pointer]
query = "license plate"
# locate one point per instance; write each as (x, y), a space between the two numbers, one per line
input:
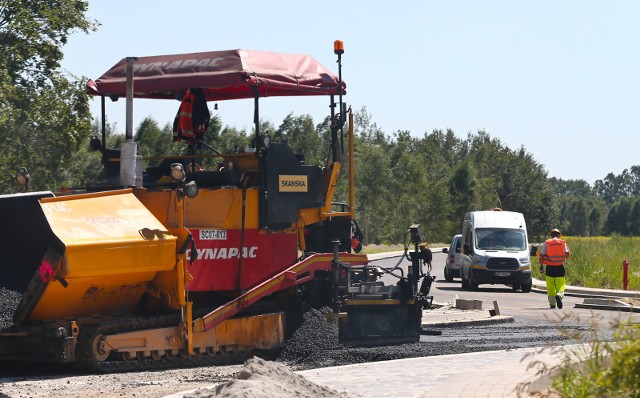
(503, 273)
(213, 234)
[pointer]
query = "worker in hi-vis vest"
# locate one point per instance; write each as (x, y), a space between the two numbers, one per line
(553, 253)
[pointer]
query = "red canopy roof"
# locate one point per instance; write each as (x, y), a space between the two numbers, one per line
(221, 74)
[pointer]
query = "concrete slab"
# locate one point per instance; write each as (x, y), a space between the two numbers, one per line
(462, 304)
(605, 301)
(449, 316)
(610, 304)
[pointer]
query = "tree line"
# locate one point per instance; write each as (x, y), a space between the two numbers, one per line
(611, 206)
(401, 178)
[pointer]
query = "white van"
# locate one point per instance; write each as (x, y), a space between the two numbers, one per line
(495, 250)
(452, 265)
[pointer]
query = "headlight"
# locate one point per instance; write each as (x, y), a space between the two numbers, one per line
(478, 259)
(191, 189)
(177, 172)
(266, 140)
(524, 260)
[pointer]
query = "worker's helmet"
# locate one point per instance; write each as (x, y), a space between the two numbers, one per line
(555, 231)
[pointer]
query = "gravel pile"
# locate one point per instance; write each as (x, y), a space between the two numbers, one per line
(317, 334)
(9, 300)
(315, 344)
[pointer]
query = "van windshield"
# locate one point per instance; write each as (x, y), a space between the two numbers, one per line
(501, 239)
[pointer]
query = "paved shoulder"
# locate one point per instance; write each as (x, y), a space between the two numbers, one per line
(444, 376)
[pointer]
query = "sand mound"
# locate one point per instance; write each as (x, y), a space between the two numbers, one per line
(264, 379)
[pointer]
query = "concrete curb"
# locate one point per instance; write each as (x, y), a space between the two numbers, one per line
(577, 291)
(608, 307)
(489, 320)
(464, 313)
(385, 255)
(595, 299)
(382, 256)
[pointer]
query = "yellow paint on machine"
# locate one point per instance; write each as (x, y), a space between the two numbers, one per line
(264, 332)
(198, 214)
(91, 296)
(107, 263)
(260, 331)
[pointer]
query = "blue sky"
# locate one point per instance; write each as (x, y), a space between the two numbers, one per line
(561, 78)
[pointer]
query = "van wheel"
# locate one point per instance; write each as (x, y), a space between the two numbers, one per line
(447, 275)
(473, 285)
(465, 284)
(526, 288)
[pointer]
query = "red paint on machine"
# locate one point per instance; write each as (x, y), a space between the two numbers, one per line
(220, 254)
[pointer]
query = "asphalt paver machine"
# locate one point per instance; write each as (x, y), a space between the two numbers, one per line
(177, 265)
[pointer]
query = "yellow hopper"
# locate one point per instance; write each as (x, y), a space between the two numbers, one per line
(103, 251)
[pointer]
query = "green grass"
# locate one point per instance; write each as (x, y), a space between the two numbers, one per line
(373, 248)
(597, 262)
(383, 248)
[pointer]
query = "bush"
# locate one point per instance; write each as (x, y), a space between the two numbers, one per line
(610, 368)
(606, 365)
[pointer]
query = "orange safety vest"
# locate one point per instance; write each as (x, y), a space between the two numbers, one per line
(192, 119)
(557, 252)
(185, 120)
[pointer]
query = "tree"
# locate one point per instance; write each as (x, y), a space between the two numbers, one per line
(613, 187)
(152, 140)
(439, 153)
(597, 217)
(227, 139)
(571, 187)
(634, 220)
(525, 188)
(619, 217)
(463, 191)
(84, 164)
(407, 187)
(45, 113)
(512, 180)
(582, 211)
(301, 135)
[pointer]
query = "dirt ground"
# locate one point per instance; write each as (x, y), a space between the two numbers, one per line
(58, 381)
(257, 378)
(139, 385)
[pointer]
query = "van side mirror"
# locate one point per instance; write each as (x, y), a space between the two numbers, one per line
(534, 251)
(466, 249)
(445, 250)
